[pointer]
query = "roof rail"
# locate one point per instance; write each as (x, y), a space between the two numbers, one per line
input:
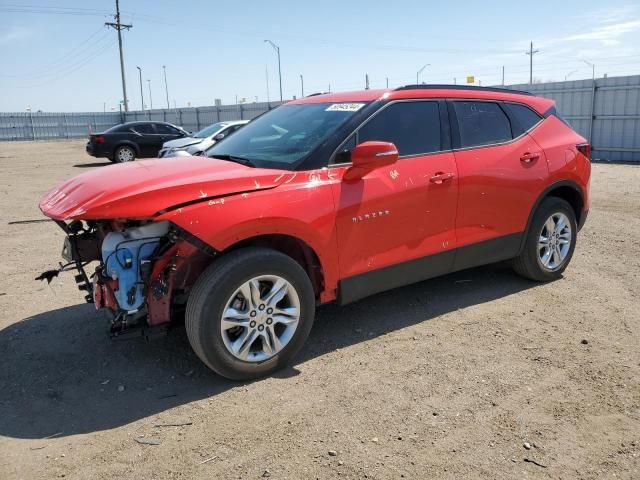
(432, 86)
(316, 94)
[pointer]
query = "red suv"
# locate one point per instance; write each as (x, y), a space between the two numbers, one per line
(330, 197)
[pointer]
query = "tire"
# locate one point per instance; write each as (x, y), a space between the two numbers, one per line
(533, 263)
(218, 291)
(124, 153)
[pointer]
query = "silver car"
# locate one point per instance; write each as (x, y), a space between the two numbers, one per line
(200, 141)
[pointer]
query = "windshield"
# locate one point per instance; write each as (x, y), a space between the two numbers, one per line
(210, 130)
(285, 135)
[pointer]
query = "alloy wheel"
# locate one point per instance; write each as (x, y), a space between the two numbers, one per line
(125, 154)
(554, 242)
(260, 318)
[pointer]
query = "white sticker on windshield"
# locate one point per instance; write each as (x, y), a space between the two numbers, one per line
(345, 107)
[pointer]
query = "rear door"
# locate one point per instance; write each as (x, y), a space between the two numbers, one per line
(401, 216)
(502, 170)
(146, 139)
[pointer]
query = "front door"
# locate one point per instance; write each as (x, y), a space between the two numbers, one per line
(396, 225)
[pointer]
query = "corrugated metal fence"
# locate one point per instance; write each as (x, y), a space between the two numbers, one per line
(609, 109)
(47, 125)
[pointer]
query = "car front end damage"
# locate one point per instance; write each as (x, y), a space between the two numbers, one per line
(130, 259)
(139, 271)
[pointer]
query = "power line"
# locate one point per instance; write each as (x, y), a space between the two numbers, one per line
(68, 59)
(74, 68)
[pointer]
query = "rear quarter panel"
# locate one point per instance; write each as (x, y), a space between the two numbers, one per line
(565, 162)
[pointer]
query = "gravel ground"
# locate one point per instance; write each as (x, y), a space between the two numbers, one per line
(479, 374)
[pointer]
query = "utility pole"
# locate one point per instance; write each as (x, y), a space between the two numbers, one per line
(387, 79)
(277, 49)
(141, 91)
(119, 27)
(150, 99)
(531, 53)
(503, 75)
(166, 89)
(366, 81)
(301, 86)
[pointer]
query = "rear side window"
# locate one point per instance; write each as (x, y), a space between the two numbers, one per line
(414, 127)
(526, 117)
(165, 129)
(144, 128)
(481, 123)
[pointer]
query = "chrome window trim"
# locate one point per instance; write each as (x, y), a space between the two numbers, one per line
(436, 99)
(498, 144)
(370, 117)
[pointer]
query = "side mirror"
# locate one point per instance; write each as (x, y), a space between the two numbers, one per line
(368, 156)
(219, 137)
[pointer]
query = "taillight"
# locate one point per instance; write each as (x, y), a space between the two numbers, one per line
(98, 139)
(585, 149)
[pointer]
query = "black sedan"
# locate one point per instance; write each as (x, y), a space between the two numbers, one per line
(128, 141)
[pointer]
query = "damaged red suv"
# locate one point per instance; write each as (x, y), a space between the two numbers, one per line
(330, 197)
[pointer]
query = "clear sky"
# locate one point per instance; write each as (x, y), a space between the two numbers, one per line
(58, 56)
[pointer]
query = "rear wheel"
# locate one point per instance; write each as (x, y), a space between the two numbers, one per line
(550, 241)
(124, 153)
(250, 313)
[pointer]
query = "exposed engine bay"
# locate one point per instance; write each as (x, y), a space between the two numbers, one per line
(144, 269)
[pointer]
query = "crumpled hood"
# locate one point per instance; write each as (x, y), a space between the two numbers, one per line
(181, 142)
(143, 188)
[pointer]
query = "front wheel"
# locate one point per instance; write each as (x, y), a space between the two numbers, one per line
(550, 241)
(250, 312)
(124, 153)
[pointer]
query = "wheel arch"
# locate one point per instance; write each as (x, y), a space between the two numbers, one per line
(567, 190)
(294, 247)
(128, 143)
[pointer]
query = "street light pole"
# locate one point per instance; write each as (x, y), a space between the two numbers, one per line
(420, 71)
(150, 98)
(301, 86)
(593, 99)
(166, 89)
(569, 74)
(277, 49)
(141, 91)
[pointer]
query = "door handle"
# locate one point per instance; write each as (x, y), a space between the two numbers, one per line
(441, 177)
(528, 157)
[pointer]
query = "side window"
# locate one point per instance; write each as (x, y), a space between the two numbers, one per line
(163, 129)
(414, 127)
(481, 123)
(526, 117)
(145, 128)
(344, 154)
